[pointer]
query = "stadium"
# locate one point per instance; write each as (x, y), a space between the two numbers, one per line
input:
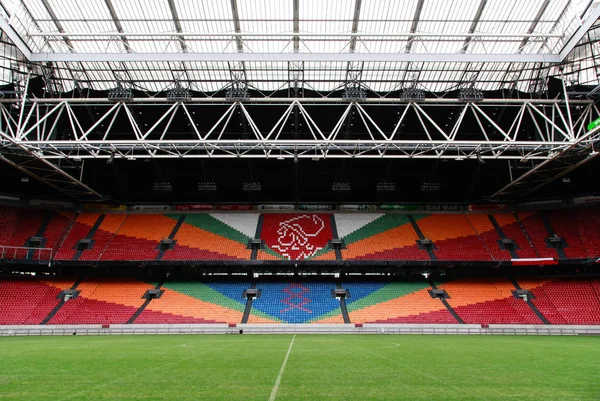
(299, 199)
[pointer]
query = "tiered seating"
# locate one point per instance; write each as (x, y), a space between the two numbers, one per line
(394, 302)
(138, 237)
(512, 229)
(378, 237)
(218, 236)
(28, 301)
(18, 225)
(566, 301)
(534, 226)
(587, 221)
(102, 302)
(104, 235)
(562, 223)
(79, 230)
(8, 223)
(297, 236)
(453, 237)
(488, 235)
(488, 301)
(194, 302)
(296, 303)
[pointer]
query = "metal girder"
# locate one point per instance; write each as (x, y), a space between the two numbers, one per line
(415, 23)
(591, 16)
(177, 24)
(560, 164)
(429, 137)
(15, 37)
(56, 22)
(298, 57)
(534, 23)
(296, 6)
(473, 26)
(113, 15)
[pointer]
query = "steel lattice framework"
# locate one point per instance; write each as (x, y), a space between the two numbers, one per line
(555, 129)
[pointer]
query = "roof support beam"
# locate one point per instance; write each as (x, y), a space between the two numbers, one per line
(354, 70)
(415, 23)
(593, 14)
(177, 23)
(355, 21)
(15, 38)
(534, 23)
(296, 25)
(113, 15)
(298, 57)
(56, 22)
(473, 26)
(239, 44)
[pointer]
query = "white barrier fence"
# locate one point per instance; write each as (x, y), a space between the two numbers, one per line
(142, 329)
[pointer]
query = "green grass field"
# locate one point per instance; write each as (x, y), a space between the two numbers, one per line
(319, 367)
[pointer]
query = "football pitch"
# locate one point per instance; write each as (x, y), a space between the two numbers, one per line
(301, 367)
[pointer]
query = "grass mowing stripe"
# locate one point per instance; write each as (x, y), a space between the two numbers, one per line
(278, 381)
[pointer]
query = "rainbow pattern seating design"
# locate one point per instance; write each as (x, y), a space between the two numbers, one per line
(215, 236)
(108, 301)
(195, 302)
(377, 236)
(291, 302)
(453, 237)
(300, 236)
(488, 301)
(478, 301)
(394, 302)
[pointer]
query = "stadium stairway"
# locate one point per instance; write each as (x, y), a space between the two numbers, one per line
(144, 305)
(529, 302)
(446, 304)
(343, 307)
(59, 304)
(248, 308)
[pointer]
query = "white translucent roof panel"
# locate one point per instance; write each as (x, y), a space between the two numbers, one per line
(331, 21)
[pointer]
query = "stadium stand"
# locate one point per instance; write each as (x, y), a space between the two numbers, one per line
(376, 236)
(453, 237)
(488, 301)
(473, 301)
(394, 302)
(561, 222)
(587, 221)
(107, 301)
(215, 236)
(194, 302)
(565, 301)
(301, 236)
(295, 302)
(534, 227)
(29, 301)
(297, 236)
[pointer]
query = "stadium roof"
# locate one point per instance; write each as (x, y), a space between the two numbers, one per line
(384, 46)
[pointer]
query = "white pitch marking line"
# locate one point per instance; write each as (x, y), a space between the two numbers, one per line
(278, 380)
